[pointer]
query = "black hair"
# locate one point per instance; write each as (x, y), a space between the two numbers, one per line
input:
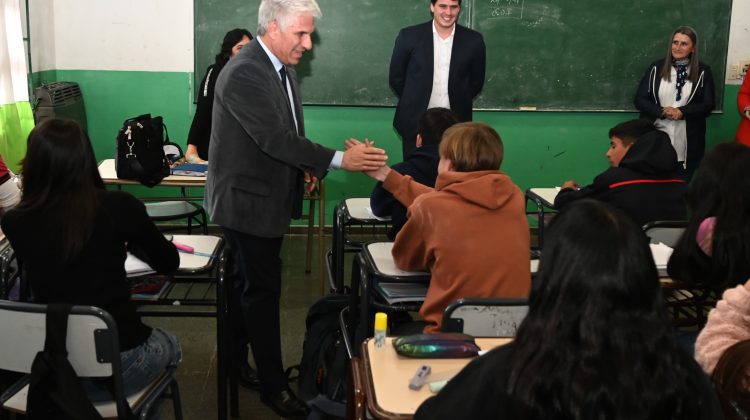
(230, 40)
(731, 378)
(435, 1)
(720, 188)
(61, 180)
(629, 131)
(596, 343)
(433, 123)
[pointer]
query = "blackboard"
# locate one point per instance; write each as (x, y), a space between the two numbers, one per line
(584, 55)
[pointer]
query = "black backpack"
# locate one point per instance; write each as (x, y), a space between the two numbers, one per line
(323, 369)
(140, 150)
(55, 391)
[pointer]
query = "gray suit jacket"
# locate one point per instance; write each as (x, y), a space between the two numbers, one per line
(255, 181)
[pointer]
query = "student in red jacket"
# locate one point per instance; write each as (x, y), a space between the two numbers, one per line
(743, 105)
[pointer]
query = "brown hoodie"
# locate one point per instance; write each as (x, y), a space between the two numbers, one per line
(470, 232)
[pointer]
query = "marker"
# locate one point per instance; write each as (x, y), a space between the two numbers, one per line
(183, 247)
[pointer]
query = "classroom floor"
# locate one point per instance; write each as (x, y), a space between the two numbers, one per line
(197, 373)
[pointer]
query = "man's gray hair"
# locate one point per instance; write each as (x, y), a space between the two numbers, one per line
(283, 11)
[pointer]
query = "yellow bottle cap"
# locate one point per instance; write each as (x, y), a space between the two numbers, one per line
(381, 321)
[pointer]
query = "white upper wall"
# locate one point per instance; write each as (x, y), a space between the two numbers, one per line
(739, 35)
(109, 35)
(133, 35)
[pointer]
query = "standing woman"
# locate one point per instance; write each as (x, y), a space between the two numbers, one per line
(70, 236)
(743, 105)
(200, 130)
(677, 93)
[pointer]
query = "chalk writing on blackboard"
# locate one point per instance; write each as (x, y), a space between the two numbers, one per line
(500, 9)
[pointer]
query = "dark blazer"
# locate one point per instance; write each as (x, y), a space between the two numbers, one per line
(255, 181)
(411, 73)
(694, 113)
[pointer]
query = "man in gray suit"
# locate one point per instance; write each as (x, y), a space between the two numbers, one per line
(259, 160)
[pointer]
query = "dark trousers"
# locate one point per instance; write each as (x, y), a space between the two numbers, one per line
(259, 265)
(408, 144)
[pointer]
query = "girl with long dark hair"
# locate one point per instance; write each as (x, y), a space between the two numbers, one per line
(70, 236)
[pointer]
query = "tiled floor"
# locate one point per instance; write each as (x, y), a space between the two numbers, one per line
(197, 373)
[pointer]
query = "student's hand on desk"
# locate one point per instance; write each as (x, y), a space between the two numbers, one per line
(311, 183)
(362, 157)
(571, 183)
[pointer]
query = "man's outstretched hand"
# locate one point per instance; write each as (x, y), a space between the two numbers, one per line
(362, 157)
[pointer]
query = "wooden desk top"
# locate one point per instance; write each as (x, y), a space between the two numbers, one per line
(109, 176)
(387, 377)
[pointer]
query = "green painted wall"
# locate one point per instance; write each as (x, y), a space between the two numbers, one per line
(541, 148)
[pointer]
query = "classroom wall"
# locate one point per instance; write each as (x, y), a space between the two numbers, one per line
(127, 65)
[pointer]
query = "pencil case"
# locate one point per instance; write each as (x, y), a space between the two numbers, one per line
(436, 346)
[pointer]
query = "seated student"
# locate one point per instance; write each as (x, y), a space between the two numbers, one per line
(723, 350)
(643, 180)
(10, 194)
(70, 236)
(421, 165)
(470, 231)
(715, 248)
(596, 343)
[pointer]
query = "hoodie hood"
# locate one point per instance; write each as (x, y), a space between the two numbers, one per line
(651, 154)
(488, 189)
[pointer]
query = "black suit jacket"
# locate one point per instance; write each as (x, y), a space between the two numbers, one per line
(255, 180)
(411, 74)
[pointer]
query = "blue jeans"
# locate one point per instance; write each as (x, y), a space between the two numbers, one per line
(141, 365)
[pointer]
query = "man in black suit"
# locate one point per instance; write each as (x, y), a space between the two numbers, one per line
(260, 159)
(435, 64)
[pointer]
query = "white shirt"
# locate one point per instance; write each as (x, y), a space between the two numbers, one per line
(441, 64)
(338, 157)
(677, 130)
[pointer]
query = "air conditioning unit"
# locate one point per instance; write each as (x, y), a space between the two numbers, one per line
(62, 100)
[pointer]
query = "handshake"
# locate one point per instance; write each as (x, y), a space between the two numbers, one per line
(365, 157)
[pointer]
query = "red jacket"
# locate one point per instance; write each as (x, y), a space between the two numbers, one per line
(743, 101)
(470, 232)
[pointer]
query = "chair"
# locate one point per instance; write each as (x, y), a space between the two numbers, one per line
(93, 349)
(667, 232)
(317, 197)
(164, 211)
(485, 317)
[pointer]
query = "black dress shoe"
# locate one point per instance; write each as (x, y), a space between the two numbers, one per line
(286, 404)
(249, 377)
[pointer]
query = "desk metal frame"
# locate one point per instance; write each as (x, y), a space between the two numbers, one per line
(341, 244)
(541, 202)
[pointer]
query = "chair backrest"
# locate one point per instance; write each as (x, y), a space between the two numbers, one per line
(485, 317)
(91, 341)
(667, 232)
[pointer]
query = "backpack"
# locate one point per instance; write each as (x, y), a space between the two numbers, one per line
(139, 153)
(55, 391)
(323, 369)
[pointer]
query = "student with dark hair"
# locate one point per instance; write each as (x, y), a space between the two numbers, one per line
(723, 350)
(715, 248)
(596, 343)
(200, 130)
(71, 235)
(470, 231)
(642, 181)
(421, 165)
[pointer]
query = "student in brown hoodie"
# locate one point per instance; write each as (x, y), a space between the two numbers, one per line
(470, 231)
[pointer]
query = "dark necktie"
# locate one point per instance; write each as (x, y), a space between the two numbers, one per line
(282, 72)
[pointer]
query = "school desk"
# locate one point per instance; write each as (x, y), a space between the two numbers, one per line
(381, 377)
(543, 198)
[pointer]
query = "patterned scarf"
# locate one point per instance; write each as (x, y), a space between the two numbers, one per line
(681, 67)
